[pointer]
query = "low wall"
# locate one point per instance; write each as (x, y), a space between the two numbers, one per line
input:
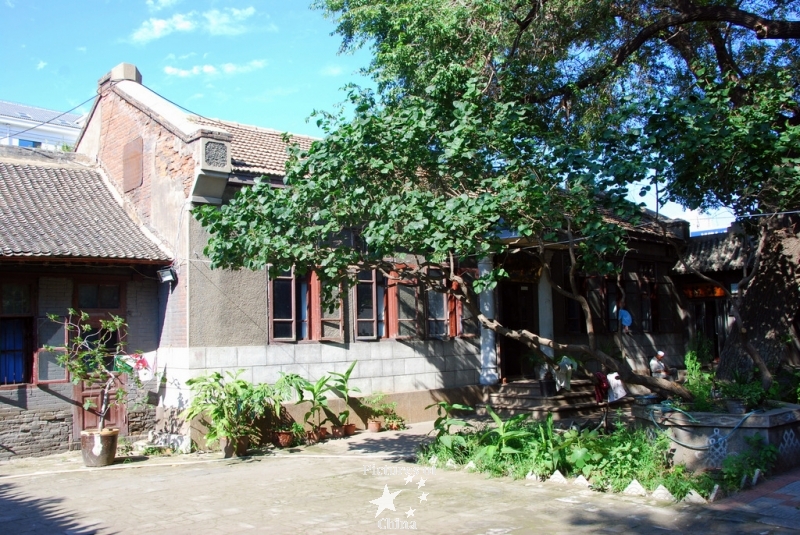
(704, 443)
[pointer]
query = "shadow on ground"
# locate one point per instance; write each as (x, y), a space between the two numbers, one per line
(21, 514)
(399, 445)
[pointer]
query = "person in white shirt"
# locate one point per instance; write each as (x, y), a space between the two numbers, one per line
(658, 368)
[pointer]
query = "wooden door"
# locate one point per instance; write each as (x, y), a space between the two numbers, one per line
(89, 419)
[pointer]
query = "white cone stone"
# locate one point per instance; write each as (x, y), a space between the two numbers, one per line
(557, 478)
(470, 467)
(663, 495)
(451, 464)
(581, 481)
(531, 475)
(635, 489)
(433, 460)
(694, 498)
(756, 476)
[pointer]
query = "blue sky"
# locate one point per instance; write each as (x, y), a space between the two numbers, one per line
(263, 62)
(268, 63)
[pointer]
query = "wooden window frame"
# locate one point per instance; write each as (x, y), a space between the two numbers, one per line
(317, 318)
(393, 319)
(104, 281)
(376, 312)
(313, 310)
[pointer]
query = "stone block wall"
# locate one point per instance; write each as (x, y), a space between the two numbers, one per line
(35, 421)
(389, 366)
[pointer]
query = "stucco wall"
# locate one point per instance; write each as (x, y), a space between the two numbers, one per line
(228, 308)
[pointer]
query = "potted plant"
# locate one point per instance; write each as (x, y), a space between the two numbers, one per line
(281, 392)
(341, 385)
(318, 401)
(742, 396)
(229, 407)
(379, 409)
(97, 355)
(394, 422)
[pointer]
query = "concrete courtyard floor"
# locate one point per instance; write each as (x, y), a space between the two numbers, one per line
(331, 487)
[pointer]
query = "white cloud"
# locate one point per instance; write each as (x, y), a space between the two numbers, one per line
(211, 70)
(156, 28)
(158, 5)
(41, 65)
(331, 70)
(10, 4)
(81, 49)
(232, 68)
(227, 22)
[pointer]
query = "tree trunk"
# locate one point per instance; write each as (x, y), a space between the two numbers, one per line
(769, 306)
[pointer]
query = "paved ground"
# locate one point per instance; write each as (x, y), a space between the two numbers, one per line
(331, 487)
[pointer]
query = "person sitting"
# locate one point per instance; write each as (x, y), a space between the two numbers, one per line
(658, 368)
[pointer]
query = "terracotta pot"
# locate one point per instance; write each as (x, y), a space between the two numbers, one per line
(99, 448)
(349, 429)
(314, 436)
(374, 426)
(337, 431)
(284, 439)
(323, 433)
(234, 447)
(393, 426)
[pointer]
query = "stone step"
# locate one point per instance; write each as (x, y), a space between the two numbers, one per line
(567, 398)
(559, 412)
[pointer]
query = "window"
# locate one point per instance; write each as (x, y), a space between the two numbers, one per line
(29, 144)
(98, 296)
(16, 330)
(385, 307)
(296, 310)
(436, 309)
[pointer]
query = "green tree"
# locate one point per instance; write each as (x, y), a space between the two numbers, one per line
(524, 118)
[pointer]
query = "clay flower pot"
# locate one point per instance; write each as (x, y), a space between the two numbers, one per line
(98, 448)
(349, 429)
(374, 426)
(337, 431)
(284, 439)
(234, 447)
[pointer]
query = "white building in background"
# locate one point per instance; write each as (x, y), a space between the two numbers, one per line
(38, 128)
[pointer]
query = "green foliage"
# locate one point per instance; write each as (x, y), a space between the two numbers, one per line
(751, 392)
(227, 404)
(444, 417)
(501, 439)
(341, 385)
(97, 355)
(317, 398)
(758, 456)
(610, 461)
(699, 383)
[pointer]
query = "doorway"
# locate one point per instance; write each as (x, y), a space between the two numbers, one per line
(518, 310)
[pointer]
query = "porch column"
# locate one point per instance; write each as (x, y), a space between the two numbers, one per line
(545, 295)
(489, 375)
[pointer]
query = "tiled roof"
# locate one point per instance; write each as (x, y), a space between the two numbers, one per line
(39, 115)
(66, 212)
(258, 151)
(714, 252)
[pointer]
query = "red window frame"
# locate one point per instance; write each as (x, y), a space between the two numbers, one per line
(305, 307)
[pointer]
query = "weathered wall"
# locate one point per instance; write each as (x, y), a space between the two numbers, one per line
(38, 419)
(35, 420)
(228, 308)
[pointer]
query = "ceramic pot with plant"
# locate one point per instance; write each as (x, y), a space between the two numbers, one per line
(379, 409)
(229, 407)
(97, 356)
(374, 426)
(741, 395)
(318, 400)
(394, 422)
(342, 387)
